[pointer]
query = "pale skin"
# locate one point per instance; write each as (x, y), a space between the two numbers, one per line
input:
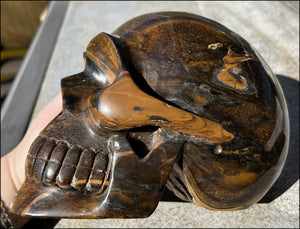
(13, 163)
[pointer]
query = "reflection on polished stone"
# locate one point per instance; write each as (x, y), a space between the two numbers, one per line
(169, 99)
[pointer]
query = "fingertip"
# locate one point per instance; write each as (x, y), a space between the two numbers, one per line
(46, 115)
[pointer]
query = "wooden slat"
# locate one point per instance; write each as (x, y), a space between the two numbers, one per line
(19, 104)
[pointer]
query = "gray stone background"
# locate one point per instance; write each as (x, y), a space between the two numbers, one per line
(273, 30)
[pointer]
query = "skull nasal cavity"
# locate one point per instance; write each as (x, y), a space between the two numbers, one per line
(138, 146)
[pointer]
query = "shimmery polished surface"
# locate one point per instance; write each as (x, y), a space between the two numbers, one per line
(256, 208)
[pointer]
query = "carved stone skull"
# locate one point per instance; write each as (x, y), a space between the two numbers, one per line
(169, 99)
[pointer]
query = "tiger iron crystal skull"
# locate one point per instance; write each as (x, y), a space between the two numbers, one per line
(170, 99)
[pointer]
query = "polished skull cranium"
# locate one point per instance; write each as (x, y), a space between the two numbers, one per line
(170, 99)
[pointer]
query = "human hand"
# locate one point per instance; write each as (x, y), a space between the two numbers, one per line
(13, 164)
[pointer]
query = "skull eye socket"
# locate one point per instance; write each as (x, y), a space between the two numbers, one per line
(95, 73)
(141, 139)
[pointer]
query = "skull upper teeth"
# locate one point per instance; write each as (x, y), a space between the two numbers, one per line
(58, 163)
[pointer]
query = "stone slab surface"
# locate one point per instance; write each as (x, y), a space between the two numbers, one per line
(273, 30)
